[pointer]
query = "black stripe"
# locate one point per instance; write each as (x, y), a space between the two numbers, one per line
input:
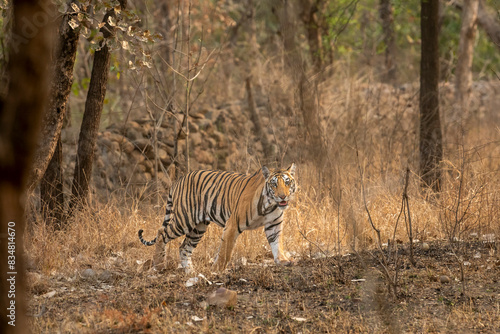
(272, 238)
(270, 227)
(238, 224)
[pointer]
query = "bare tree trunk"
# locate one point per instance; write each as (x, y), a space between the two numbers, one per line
(431, 141)
(51, 189)
(59, 92)
(386, 16)
(306, 90)
(486, 20)
(254, 116)
(91, 118)
(20, 115)
(463, 77)
(166, 24)
(489, 22)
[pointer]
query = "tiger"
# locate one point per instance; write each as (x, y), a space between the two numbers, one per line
(234, 202)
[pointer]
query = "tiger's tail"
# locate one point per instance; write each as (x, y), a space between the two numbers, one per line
(166, 221)
(147, 243)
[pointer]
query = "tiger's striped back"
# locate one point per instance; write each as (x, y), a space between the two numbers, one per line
(206, 196)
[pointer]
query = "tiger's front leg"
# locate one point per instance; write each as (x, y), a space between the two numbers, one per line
(226, 247)
(273, 235)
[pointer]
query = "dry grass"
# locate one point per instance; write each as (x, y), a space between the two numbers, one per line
(104, 237)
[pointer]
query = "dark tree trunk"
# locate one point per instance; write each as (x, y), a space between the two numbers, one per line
(309, 9)
(51, 189)
(59, 91)
(90, 126)
(386, 16)
(20, 115)
(431, 141)
(91, 118)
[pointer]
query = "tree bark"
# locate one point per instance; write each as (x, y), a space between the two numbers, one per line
(489, 22)
(486, 20)
(51, 189)
(431, 142)
(254, 116)
(20, 115)
(306, 89)
(309, 9)
(387, 18)
(463, 76)
(60, 89)
(91, 117)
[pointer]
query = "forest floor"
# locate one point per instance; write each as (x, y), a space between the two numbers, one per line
(326, 295)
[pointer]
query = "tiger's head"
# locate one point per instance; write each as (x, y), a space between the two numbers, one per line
(280, 185)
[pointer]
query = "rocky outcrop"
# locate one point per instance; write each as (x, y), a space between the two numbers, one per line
(128, 155)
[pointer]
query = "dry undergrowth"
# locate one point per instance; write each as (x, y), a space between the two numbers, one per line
(319, 288)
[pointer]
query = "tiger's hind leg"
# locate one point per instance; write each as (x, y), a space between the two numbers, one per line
(190, 242)
(159, 255)
(167, 233)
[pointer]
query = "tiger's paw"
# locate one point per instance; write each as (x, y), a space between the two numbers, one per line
(285, 261)
(218, 267)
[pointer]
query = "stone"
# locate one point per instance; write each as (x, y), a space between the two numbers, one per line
(425, 246)
(162, 154)
(106, 276)
(193, 127)
(117, 137)
(149, 165)
(203, 157)
(220, 139)
(115, 146)
(195, 139)
(138, 157)
(142, 144)
(104, 141)
(133, 134)
(99, 163)
(211, 142)
(88, 273)
(127, 146)
(444, 279)
(222, 297)
(49, 294)
(205, 124)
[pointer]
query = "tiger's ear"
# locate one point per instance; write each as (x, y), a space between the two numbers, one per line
(265, 172)
(291, 169)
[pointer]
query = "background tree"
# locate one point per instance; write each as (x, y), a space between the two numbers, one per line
(20, 114)
(309, 9)
(306, 89)
(431, 139)
(51, 188)
(463, 73)
(93, 110)
(48, 157)
(64, 61)
(387, 18)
